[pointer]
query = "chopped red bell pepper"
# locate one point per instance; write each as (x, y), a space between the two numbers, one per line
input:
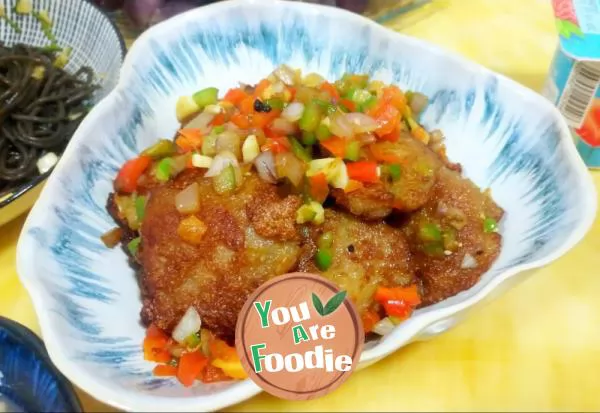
(165, 370)
(235, 95)
(387, 117)
(394, 96)
(190, 366)
(218, 120)
(155, 345)
(260, 87)
(189, 139)
(335, 145)
(262, 119)
(398, 301)
(130, 172)
(363, 171)
(247, 105)
(348, 104)
(319, 189)
(276, 144)
(331, 89)
(241, 121)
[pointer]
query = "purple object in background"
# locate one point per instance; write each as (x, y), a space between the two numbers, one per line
(143, 13)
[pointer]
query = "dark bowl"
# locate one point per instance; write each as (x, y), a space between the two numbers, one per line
(28, 379)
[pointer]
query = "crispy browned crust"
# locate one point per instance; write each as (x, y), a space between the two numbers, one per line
(373, 202)
(443, 277)
(365, 255)
(232, 260)
(418, 165)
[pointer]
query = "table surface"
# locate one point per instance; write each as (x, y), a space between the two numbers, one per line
(536, 348)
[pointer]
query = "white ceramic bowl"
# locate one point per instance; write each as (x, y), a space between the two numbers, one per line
(96, 43)
(86, 297)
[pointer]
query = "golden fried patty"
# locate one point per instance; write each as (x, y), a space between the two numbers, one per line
(407, 192)
(251, 237)
(364, 255)
(457, 209)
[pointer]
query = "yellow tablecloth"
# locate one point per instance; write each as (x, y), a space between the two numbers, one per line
(536, 348)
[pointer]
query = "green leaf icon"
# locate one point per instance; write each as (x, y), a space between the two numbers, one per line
(572, 28)
(317, 304)
(334, 302)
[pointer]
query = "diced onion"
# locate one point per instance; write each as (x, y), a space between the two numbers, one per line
(286, 74)
(229, 141)
(189, 324)
(201, 161)
(185, 107)
(468, 262)
(220, 162)
(288, 165)
(46, 162)
(187, 201)
(312, 80)
(265, 166)
(277, 88)
(341, 126)
(418, 102)
(214, 109)
(293, 111)
(250, 149)
(361, 123)
(283, 127)
(201, 122)
(383, 326)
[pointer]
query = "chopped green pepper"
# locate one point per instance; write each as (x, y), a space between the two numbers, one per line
(368, 104)
(275, 103)
(160, 149)
(490, 225)
(325, 241)
(205, 97)
(163, 169)
(140, 207)
(360, 96)
(310, 117)
(134, 245)
(299, 150)
(435, 249)
(323, 259)
(322, 133)
(349, 81)
(352, 151)
(192, 341)
(225, 181)
(430, 232)
(209, 145)
(308, 138)
(217, 130)
(305, 214)
(395, 171)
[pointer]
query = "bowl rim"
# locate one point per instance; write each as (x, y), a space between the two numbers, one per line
(22, 334)
(403, 334)
(20, 190)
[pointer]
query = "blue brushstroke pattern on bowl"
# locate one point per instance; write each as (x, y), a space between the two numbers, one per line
(507, 138)
(28, 379)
